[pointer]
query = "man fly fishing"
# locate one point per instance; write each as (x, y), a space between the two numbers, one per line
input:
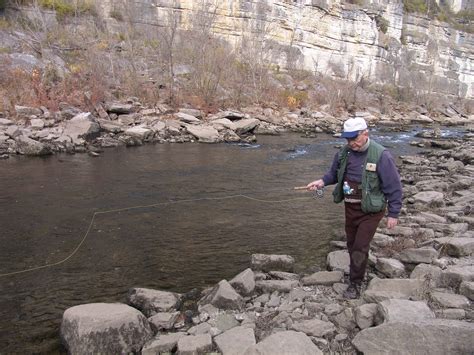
(368, 182)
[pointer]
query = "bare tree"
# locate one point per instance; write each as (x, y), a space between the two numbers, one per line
(169, 35)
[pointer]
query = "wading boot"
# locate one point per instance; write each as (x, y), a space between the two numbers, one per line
(353, 291)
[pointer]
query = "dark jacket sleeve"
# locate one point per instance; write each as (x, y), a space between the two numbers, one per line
(330, 178)
(390, 183)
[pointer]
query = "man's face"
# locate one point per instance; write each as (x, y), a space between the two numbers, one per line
(358, 142)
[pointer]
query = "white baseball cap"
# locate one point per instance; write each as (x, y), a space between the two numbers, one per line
(353, 126)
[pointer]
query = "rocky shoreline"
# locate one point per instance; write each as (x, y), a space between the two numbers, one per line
(36, 131)
(418, 297)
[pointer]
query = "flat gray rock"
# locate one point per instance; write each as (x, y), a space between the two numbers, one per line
(427, 273)
(224, 322)
(246, 125)
(390, 267)
(162, 343)
(314, 327)
(457, 246)
(454, 275)
(194, 344)
(418, 255)
(281, 275)
(204, 133)
(449, 300)
(428, 336)
(202, 328)
(429, 197)
(323, 278)
(285, 343)
(270, 286)
(139, 132)
(235, 341)
(186, 117)
(163, 320)
(398, 310)
(382, 289)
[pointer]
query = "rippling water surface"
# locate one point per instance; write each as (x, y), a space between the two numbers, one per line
(198, 234)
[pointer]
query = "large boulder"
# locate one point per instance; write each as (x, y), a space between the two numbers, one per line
(107, 328)
(82, 127)
(287, 342)
(28, 146)
(151, 302)
(427, 336)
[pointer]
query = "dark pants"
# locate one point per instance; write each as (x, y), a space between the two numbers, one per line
(360, 229)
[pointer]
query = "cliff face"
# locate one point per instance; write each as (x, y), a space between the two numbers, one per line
(380, 42)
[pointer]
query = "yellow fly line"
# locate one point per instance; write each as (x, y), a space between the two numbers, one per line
(91, 223)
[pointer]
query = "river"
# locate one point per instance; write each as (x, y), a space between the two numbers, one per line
(197, 233)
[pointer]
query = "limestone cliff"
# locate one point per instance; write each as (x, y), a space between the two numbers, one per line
(379, 42)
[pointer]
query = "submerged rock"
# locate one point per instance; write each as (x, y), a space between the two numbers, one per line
(151, 302)
(264, 262)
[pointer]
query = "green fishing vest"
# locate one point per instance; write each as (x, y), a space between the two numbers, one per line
(373, 199)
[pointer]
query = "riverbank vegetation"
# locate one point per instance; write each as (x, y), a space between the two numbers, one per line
(83, 62)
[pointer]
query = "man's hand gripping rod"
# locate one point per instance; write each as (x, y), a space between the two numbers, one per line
(317, 193)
